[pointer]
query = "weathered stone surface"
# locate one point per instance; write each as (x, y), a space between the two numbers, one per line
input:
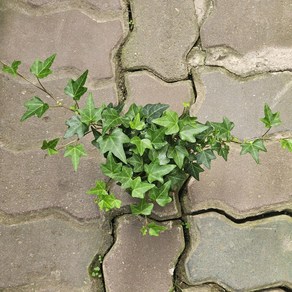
(203, 8)
(241, 36)
(49, 254)
(240, 257)
(242, 100)
(143, 88)
(242, 188)
(142, 263)
(31, 183)
(164, 32)
(23, 135)
(90, 49)
(203, 288)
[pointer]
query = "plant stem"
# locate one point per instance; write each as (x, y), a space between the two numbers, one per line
(266, 132)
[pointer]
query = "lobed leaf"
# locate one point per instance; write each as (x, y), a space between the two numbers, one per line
(12, 69)
(253, 147)
(75, 88)
(50, 146)
(270, 119)
(42, 69)
(75, 152)
(35, 107)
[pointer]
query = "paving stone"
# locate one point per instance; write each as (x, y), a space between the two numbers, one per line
(142, 263)
(203, 8)
(30, 133)
(243, 188)
(203, 288)
(143, 88)
(164, 32)
(241, 36)
(49, 254)
(56, 33)
(242, 100)
(240, 257)
(31, 183)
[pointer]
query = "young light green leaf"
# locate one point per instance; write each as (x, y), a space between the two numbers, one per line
(124, 177)
(35, 107)
(75, 127)
(99, 189)
(137, 162)
(111, 168)
(108, 202)
(12, 69)
(90, 114)
(113, 143)
(75, 152)
(139, 188)
(188, 132)
(194, 170)
(153, 229)
(132, 111)
(286, 144)
(110, 119)
(160, 195)
(169, 120)
(141, 144)
(253, 147)
(155, 172)
(178, 154)
(205, 157)
(75, 88)
(137, 124)
(143, 208)
(153, 111)
(42, 69)
(270, 119)
(50, 146)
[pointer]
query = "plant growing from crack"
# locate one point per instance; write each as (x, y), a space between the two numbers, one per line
(150, 150)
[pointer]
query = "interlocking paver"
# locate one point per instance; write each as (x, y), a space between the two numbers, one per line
(49, 254)
(243, 188)
(241, 36)
(242, 100)
(142, 263)
(143, 88)
(31, 183)
(164, 32)
(253, 255)
(56, 33)
(24, 135)
(203, 288)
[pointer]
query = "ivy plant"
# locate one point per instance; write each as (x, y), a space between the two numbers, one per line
(150, 150)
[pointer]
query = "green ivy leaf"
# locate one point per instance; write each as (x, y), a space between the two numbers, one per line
(153, 229)
(50, 146)
(156, 136)
(177, 177)
(113, 143)
(153, 111)
(253, 148)
(169, 120)
(35, 107)
(75, 152)
(132, 111)
(223, 130)
(160, 195)
(124, 177)
(110, 119)
(141, 144)
(221, 149)
(143, 208)
(111, 168)
(139, 188)
(99, 189)
(205, 157)
(108, 201)
(194, 170)
(137, 124)
(178, 153)
(42, 69)
(90, 114)
(188, 132)
(75, 127)
(75, 88)
(12, 69)
(286, 144)
(159, 155)
(156, 171)
(137, 162)
(270, 119)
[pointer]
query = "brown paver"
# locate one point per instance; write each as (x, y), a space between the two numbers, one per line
(143, 88)
(49, 254)
(31, 183)
(242, 188)
(142, 263)
(240, 257)
(221, 94)
(164, 32)
(203, 288)
(56, 33)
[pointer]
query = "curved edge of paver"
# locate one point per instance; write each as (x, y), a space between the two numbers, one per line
(194, 243)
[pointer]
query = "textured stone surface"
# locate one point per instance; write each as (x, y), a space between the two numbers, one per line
(56, 33)
(30, 133)
(143, 88)
(242, 100)
(164, 32)
(241, 36)
(203, 288)
(203, 8)
(241, 187)
(133, 263)
(243, 257)
(49, 253)
(31, 183)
